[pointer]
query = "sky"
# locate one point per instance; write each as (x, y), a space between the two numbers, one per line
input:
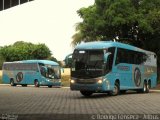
(43, 21)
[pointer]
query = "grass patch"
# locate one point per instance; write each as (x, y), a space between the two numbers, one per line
(158, 81)
(0, 79)
(65, 80)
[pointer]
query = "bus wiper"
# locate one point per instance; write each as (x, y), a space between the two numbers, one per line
(95, 65)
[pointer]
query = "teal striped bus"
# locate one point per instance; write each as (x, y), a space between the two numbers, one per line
(32, 72)
(112, 67)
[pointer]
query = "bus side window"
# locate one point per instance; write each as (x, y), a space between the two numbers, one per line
(111, 57)
(119, 57)
(123, 56)
(135, 58)
(43, 70)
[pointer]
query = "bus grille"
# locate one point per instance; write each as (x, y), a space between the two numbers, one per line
(86, 81)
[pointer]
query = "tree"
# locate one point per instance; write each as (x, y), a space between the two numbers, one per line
(68, 60)
(132, 21)
(1, 59)
(41, 51)
(136, 22)
(24, 51)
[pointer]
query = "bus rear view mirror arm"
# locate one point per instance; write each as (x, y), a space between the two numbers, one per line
(106, 56)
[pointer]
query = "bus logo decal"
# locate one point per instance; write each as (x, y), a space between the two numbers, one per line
(124, 68)
(137, 77)
(19, 77)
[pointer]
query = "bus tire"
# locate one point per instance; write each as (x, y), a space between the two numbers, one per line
(148, 87)
(116, 90)
(123, 91)
(24, 85)
(36, 83)
(86, 93)
(149, 84)
(145, 88)
(50, 86)
(12, 82)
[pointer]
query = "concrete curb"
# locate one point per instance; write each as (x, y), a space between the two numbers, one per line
(152, 90)
(33, 86)
(4, 84)
(66, 87)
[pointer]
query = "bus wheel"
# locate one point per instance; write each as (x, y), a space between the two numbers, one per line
(146, 87)
(12, 83)
(24, 85)
(36, 83)
(86, 93)
(123, 91)
(115, 90)
(50, 86)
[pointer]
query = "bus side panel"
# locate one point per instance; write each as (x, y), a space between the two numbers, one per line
(109, 81)
(123, 73)
(151, 69)
(138, 76)
(19, 77)
(153, 79)
(31, 76)
(6, 75)
(151, 74)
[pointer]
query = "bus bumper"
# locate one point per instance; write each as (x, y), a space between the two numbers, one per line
(51, 83)
(90, 87)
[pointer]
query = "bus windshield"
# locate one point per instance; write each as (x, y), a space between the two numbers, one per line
(50, 71)
(87, 63)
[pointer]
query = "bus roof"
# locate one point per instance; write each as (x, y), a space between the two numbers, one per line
(36, 61)
(107, 44)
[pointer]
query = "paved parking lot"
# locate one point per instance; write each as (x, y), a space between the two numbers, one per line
(51, 102)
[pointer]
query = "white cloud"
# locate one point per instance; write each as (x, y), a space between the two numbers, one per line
(42, 21)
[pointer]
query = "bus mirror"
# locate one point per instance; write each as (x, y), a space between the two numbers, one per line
(51, 76)
(106, 57)
(62, 69)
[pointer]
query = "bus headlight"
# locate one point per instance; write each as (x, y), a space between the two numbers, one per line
(72, 81)
(48, 80)
(99, 81)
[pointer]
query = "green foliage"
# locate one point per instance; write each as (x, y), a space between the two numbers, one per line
(24, 51)
(68, 61)
(41, 51)
(53, 59)
(65, 80)
(104, 20)
(135, 22)
(1, 60)
(0, 79)
(158, 81)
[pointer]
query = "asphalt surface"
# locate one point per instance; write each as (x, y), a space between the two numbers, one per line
(62, 103)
